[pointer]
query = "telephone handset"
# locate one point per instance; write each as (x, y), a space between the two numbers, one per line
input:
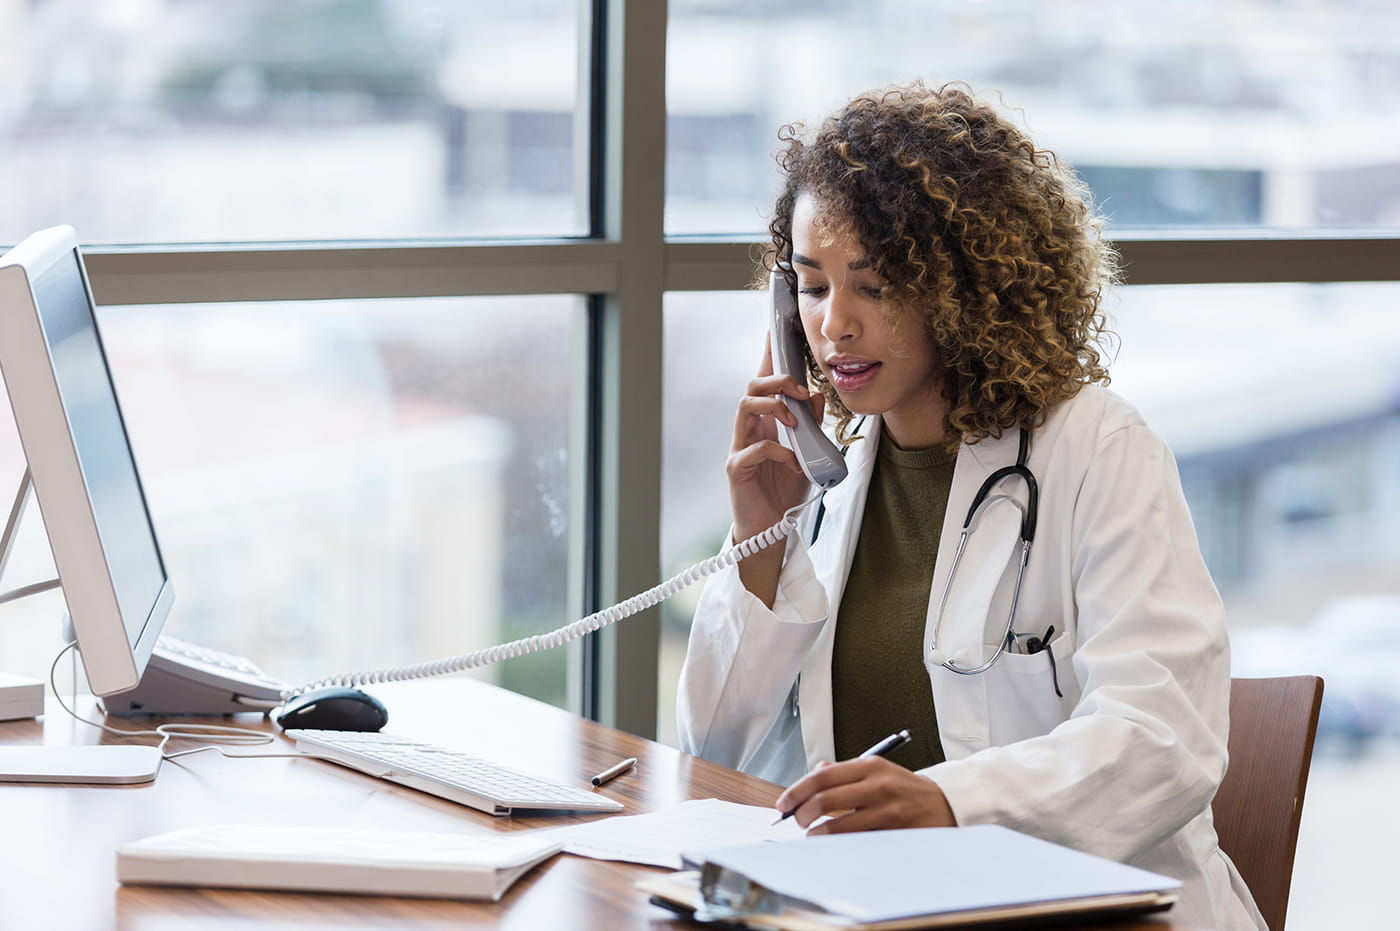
(818, 455)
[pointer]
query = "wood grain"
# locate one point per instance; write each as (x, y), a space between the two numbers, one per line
(1259, 806)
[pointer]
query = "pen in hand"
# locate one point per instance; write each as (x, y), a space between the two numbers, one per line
(890, 743)
(612, 772)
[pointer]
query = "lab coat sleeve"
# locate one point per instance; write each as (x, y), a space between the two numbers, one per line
(1143, 750)
(742, 662)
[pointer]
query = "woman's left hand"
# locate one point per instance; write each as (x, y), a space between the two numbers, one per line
(866, 794)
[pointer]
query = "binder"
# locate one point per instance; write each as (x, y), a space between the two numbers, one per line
(911, 878)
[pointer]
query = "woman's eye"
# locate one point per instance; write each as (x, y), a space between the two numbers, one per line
(874, 292)
(811, 290)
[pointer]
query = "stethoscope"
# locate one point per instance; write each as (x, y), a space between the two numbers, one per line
(984, 496)
(1028, 511)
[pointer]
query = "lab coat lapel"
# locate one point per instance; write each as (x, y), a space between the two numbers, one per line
(831, 558)
(961, 701)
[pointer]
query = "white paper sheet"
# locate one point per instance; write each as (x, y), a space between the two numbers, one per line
(659, 838)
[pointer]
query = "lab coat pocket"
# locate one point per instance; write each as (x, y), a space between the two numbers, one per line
(1021, 699)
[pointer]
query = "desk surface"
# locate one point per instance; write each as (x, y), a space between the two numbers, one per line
(58, 869)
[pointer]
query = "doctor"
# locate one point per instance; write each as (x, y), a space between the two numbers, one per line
(949, 277)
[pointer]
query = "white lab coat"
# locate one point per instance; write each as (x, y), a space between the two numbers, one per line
(1124, 765)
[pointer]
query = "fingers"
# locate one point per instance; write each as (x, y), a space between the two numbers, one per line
(744, 461)
(774, 385)
(763, 399)
(807, 792)
(866, 794)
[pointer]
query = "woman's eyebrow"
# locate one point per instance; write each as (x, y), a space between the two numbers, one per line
(858, 265)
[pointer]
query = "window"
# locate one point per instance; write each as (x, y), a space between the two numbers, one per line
(352, 485)
(217, 121)
(1198, 113)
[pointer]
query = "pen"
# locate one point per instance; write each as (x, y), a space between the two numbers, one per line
(892, 742)
(612, 772)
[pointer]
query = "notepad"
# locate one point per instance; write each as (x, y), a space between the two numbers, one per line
(362, 862)
(912, 878)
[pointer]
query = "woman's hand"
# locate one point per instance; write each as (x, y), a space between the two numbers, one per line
(866, 794)
(765, 478)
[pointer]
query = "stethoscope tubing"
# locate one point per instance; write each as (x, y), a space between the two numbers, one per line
(1028, 520)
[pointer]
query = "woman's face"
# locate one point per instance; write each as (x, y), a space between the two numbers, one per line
(875, 368)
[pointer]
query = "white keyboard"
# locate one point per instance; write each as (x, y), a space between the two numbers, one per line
(447, 774)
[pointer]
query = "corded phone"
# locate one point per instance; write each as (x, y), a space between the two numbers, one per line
(182, 678)
(820, 459)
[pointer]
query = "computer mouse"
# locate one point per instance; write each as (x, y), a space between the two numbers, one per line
(332, 709)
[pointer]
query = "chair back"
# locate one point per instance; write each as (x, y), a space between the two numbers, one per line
(1260, 801)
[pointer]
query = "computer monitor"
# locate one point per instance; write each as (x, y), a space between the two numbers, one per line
(80, 460)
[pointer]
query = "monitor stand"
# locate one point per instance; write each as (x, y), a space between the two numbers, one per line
(7, 541)
(88, 764)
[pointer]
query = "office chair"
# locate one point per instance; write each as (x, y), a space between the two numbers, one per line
(1260, 801)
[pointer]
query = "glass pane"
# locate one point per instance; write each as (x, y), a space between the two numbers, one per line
(342, 486)
(1207, 112)
(1280, 403)
(211, 120)
(726, 330)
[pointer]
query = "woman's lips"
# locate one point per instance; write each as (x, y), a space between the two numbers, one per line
(852, 376)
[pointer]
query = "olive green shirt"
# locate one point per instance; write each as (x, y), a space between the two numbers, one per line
(878, 681)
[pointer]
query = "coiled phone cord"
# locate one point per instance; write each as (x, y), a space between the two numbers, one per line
(571, 632)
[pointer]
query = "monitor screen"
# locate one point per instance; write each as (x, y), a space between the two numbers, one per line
(84, 474)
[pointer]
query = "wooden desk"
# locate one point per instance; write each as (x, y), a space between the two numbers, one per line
(58, 869)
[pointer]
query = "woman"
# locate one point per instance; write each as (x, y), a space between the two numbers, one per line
(949, 277)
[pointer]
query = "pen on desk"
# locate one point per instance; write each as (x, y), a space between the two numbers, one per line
(612, 772)
(890, 743)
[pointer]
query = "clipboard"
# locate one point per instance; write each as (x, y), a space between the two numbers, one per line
(905, 879)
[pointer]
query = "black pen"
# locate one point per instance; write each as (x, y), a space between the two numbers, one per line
(890, 743)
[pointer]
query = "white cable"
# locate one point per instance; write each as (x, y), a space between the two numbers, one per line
(166, 732)
(571, 632)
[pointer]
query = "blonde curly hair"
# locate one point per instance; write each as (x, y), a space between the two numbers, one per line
(989, 239)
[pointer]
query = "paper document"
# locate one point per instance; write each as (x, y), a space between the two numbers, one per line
(659, 838)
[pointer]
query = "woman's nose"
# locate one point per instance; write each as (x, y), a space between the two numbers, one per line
(841, 320)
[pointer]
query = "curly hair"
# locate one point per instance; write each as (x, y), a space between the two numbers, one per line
(989, 239)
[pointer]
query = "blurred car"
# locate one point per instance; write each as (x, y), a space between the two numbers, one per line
(1353, 643)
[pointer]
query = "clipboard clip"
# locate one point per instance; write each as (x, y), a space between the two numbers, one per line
(727, 896)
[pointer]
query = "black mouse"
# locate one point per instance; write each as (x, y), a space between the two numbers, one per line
(333, 709)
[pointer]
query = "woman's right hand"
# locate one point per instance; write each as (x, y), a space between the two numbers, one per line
(765, 478)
